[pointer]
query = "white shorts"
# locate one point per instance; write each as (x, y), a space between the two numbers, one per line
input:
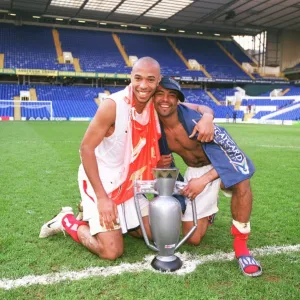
(207, 201)
(127, 214)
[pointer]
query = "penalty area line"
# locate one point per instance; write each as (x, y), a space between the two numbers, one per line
(190, 262)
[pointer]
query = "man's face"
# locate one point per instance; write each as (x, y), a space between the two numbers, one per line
(165, 101)
(144, 79)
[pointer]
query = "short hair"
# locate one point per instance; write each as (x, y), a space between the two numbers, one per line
(146, 60)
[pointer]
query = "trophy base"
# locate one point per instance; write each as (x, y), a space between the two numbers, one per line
(166, 263)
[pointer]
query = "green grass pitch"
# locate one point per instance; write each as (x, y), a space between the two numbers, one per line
(38, 175)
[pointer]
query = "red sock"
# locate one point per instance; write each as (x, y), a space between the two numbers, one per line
(71, 226)
(240, 247)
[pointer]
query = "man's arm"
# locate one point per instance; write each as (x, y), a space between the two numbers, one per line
(97, 130)
(196, 185)
(205, 127)
(202, 109)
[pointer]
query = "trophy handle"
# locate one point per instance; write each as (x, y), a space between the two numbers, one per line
(178, 186)
(144, 187)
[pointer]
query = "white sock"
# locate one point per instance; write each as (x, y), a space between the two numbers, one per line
(242, 227)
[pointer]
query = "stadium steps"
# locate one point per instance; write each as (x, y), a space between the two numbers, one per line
(1, 60)
(76, 65)
(33, 96)
(17, 109)
(179, 54)
(202, 68)
(57, 44)
(248, 116)
(121, 49)
(234, 60)
(213, 97)
(284, 92)
(237, 105)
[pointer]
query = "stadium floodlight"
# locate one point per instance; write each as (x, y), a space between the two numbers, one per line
(29, 110)
(36, 17)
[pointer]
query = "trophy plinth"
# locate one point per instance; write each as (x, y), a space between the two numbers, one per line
(166, 263)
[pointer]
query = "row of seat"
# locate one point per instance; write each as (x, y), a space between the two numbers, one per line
(33, 47)
(75, 101)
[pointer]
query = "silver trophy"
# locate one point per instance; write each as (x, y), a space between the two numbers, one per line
(165, 217)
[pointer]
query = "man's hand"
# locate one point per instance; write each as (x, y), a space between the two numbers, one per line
(193, 188)
(108, 212)
(205, 129)
(165, 161)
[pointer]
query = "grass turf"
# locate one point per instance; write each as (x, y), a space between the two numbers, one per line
(38, 175)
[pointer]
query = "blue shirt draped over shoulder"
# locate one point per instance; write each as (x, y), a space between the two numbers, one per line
(230, 162)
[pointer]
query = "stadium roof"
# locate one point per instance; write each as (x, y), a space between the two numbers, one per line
(223, 16)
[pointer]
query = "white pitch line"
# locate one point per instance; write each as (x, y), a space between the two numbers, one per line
(190, 263)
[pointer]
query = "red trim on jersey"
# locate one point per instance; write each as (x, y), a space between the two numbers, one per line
(85, 190)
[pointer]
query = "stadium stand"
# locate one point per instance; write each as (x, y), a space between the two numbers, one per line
(6, 111)
(279, 103)
(32, 47)
(236, 52)
(261, 114)
(207, 53)
(29, 47)
(294, 91)
(158, 48)
(290, 115)
(221, 94)
(70, 101)
(96, 51)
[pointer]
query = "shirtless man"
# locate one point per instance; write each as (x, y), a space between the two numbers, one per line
(208, 164)
(109, 165)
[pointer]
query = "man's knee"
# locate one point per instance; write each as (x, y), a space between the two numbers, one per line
(139, 234)
(195, 240)
(110, 254)
(198, 235)
(110, 245)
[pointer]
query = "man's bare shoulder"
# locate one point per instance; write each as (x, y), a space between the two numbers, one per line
(101, 125)
(106, 112)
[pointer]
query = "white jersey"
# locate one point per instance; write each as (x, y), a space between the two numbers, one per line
(110, 153)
